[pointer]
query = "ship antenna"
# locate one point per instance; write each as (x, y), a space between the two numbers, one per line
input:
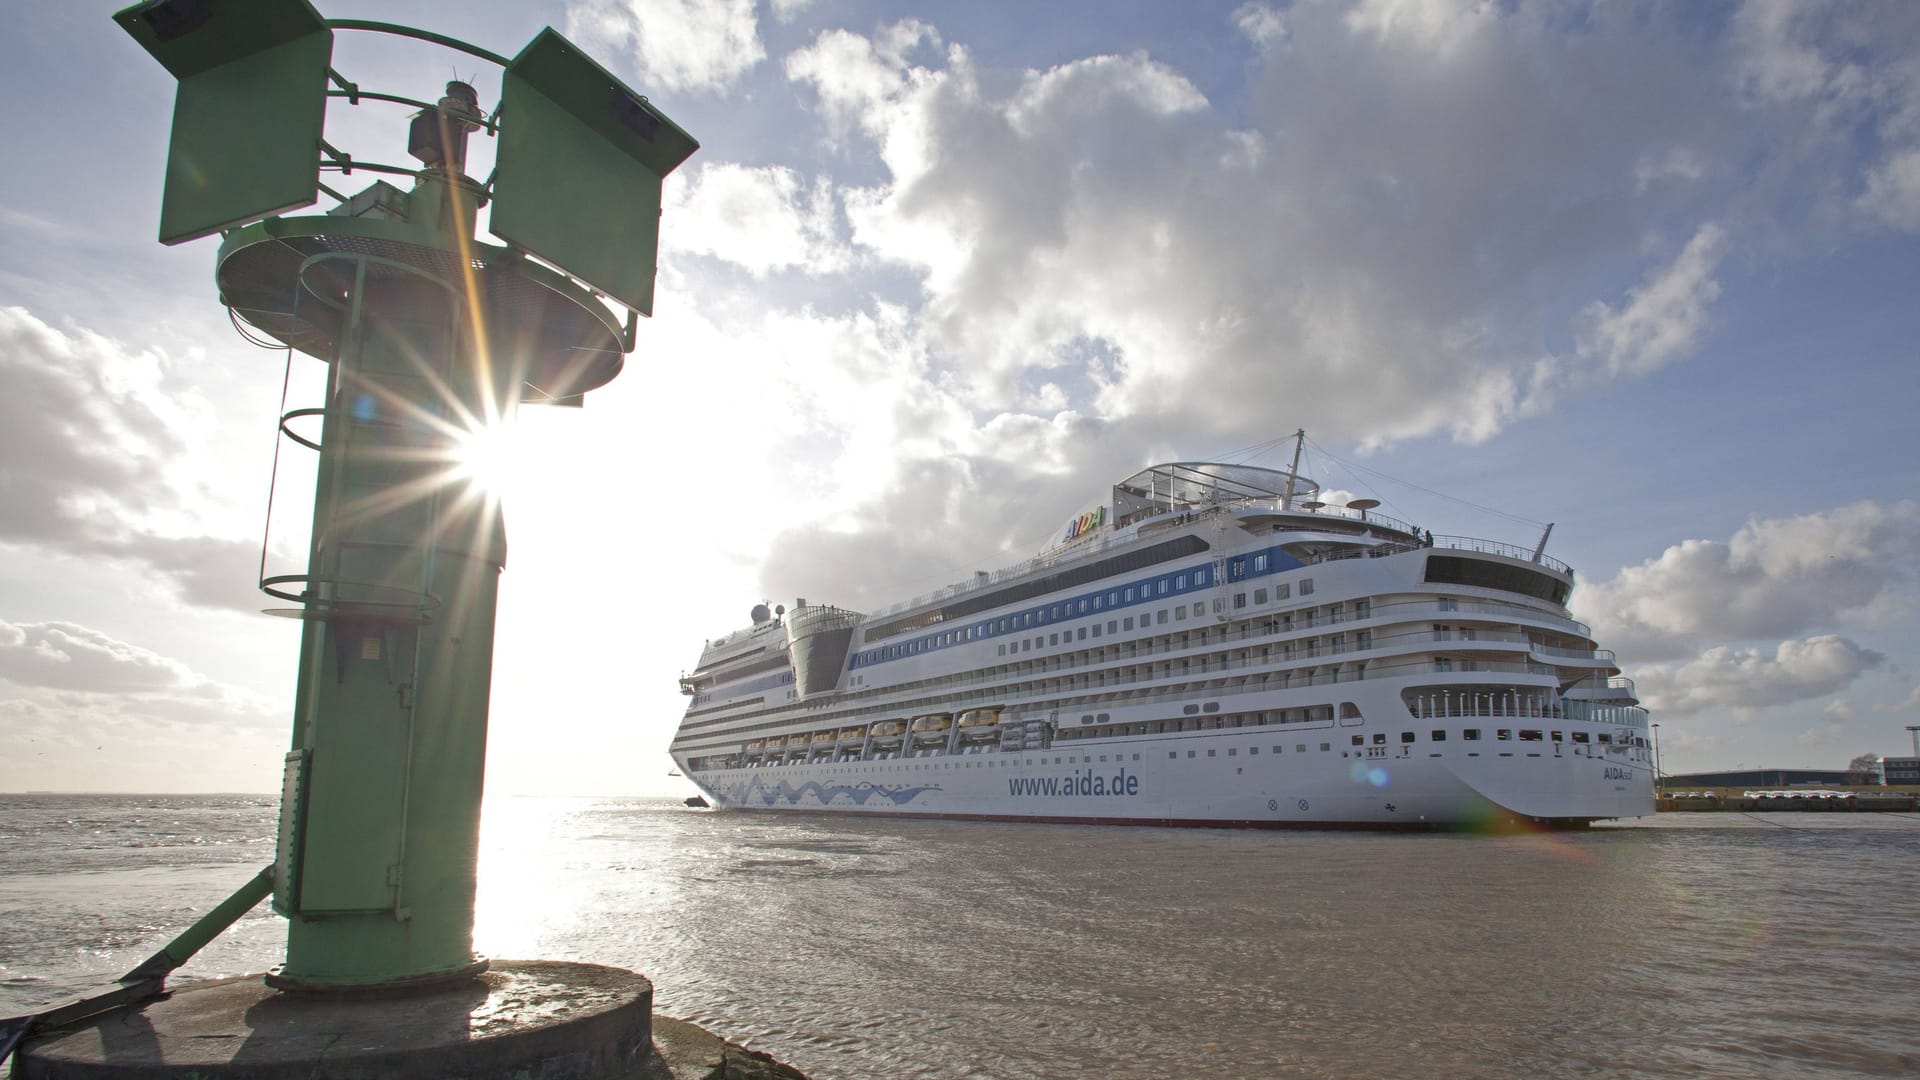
(1541, 549)
(1299, 440)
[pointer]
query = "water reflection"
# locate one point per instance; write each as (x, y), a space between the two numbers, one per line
(1713, 946)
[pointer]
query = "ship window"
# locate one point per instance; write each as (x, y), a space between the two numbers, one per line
(1379, 737)
(1003, 650)
(1239, 600)
(1161, 617)
(1253, 750)
(1096, 629)
(1212, 753)
(1527, 735)
(1083, 607)
(1083, 633)
(1259, 596)
(1113, 598)
(1173, 753)
(1437, 736)
(1606, 738)
(1259, 564)
(1180, 581)
(1129, 622)
(1189, 753)
(1129, 594)
(1112, 627)
(1098, 602)
(1306, 586)
(1503, 734)
(1580, 736)
(1323, 746)
(1163, 586)
(1232, 752)
(1199, 610)
(1406, 736)
(1281, 592)
(1471, 734)
(1359, 740)
(1556, 736)
(1200, 576)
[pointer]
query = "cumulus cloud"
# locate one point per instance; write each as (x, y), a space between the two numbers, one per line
(1844, 74)
(1727, 678)
(1774, 578)
(59, 670)
(763, 219)
(1893, 191)
(1108, 264)
(677, 44)
(92, 436)
(1262, 24)
(1387, 278)
(1663, 319)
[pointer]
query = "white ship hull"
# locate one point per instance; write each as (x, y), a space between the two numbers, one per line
(1153, 782)
(1212, 655)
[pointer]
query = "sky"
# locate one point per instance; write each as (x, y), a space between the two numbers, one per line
(941, 273)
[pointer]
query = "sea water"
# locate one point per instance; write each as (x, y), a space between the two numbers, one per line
(1687, 945)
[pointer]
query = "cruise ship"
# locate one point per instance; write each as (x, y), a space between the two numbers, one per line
(1212, 644)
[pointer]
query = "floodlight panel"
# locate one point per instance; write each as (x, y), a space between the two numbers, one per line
(246, 139)
(248, 113)
(203, 34)
(578, 170)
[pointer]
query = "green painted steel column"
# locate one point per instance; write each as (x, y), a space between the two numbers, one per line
(380, 824)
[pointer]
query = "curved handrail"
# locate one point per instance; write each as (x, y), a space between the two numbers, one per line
(396, 29)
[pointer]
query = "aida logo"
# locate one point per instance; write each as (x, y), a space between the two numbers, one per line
(1086, 523)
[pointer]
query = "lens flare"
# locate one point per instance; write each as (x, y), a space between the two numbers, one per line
(485, 456)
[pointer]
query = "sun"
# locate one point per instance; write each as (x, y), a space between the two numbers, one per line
(484, 457)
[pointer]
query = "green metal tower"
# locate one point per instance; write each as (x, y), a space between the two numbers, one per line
(430, 335)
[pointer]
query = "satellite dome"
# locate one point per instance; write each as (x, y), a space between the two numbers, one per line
(761, 614)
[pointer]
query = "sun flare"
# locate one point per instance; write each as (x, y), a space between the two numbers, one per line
(484, 457)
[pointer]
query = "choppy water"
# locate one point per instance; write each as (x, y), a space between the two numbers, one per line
(1695, 945)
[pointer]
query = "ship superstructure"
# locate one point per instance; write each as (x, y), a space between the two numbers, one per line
(1211, 644)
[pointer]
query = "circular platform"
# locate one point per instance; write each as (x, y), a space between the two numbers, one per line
(522, 1019)
(290, 277)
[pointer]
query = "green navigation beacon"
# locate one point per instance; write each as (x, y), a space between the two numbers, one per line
(430, 336)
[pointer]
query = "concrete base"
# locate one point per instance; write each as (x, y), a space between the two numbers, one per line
(521, 1019)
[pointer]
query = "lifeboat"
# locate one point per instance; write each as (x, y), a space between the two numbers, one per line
(852, 734)
(825, 738)
(778, 742)
(932, 727)
(888, 731)
(754, 746)
(980, 723)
